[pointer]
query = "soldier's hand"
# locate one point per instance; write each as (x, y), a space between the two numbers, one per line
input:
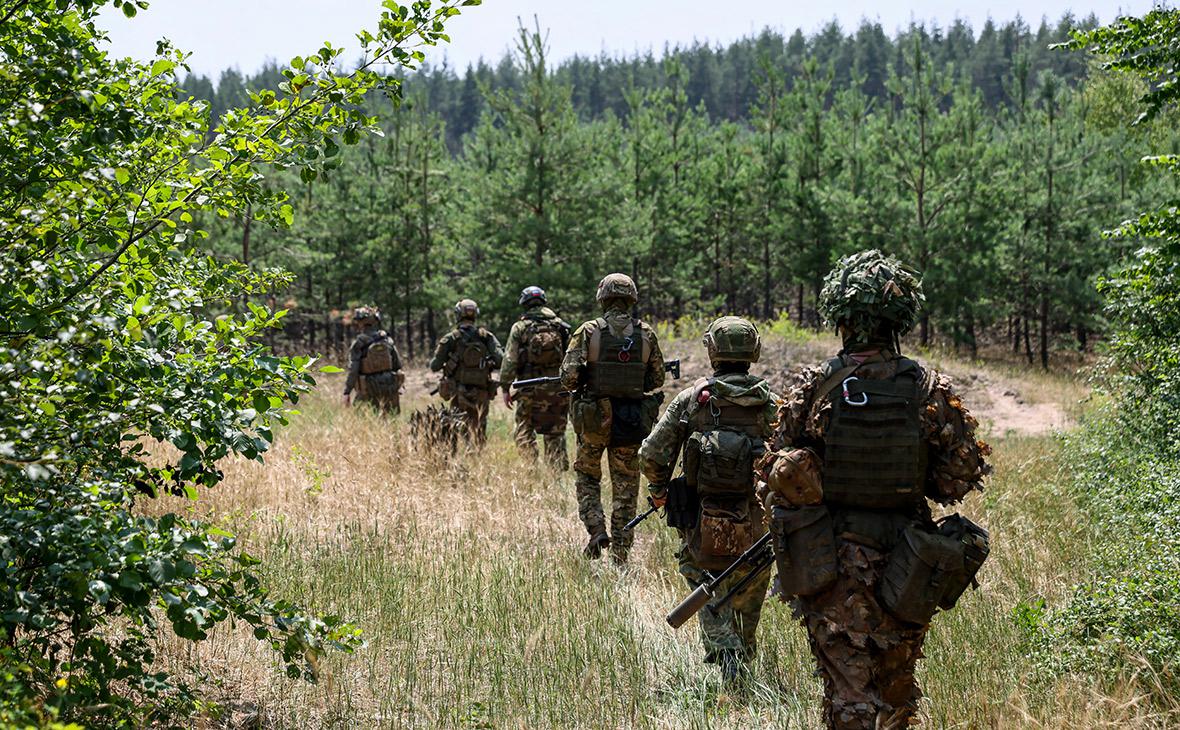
(347, 400)
(507, 399)
(658, 499)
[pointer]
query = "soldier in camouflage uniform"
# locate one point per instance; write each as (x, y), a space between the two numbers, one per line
(730, 414)
(374, 366)
(613, 363)
(467, 356)
(535, 348)
(864, 441)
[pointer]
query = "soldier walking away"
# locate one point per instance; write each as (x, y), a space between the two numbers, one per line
(862, 443)
(613, 364)
(722, 423)
(374, 366)
(535, 348)
(467, 356)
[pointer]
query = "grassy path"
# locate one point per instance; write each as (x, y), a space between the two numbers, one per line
(466, 576)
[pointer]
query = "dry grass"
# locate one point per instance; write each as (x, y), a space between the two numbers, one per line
(465, 573)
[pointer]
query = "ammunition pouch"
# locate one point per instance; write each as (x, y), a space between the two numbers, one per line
(724, 531)
(446, 388)
(918, 574)
(804, 549)
(626, 424)
(683, 505)
(591, 419)
(795, 476)
(976, 546)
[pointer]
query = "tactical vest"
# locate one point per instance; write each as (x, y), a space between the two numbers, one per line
(874, 456)
(473, 363)
(378, 357)
(543, 348)
(617, 366)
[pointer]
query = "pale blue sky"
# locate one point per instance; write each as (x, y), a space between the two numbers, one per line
(245, 33)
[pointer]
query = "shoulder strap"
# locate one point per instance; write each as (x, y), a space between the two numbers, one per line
(644, 340)
(833, 381)
(595, 344)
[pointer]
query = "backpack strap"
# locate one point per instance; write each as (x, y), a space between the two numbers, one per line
(595, 345)
(838, 372)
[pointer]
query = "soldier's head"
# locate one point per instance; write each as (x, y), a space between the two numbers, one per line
(871, 299)
(617, 290)
(366, 317)
(466, 310)
(532, 296)
(733, 343)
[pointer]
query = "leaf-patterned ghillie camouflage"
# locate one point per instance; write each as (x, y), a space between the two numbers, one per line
(871, 297)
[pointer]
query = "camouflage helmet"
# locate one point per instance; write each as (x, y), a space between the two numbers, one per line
(365, 316)
(466, 309)
(871, 296)
(733, 339)
(532, 295)
(618, 286)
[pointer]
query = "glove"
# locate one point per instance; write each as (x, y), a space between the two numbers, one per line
(658, 495)
(507, 399)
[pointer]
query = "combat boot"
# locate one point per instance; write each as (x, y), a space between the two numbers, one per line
(599, 542)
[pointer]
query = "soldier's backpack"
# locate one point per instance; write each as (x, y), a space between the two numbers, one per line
(724, 442)
(378, 357)
(473, 362)
(544, 344)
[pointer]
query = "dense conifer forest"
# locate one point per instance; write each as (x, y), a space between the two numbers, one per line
(730, 178)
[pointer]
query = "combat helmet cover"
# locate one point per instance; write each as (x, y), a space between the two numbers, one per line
(869, 292)
(532, 296)
(617, 286)
(733, 339)
(466, 309)
(366, 316)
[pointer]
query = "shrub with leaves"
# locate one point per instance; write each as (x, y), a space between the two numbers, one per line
(128, 365)
(1125, 463)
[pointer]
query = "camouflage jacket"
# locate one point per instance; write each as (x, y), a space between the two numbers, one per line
(516, 343)
(448, 346)
(356, 354)
(573, 367)
(957, 460)
(658, 454)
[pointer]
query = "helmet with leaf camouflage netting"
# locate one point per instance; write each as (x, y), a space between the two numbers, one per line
(871, 298)
(733, 339)
(617, 286)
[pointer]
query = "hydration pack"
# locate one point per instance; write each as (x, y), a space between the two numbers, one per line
(378, 357)
(473, 365)
(544, 344)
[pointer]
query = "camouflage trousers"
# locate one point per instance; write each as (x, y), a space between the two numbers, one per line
(732, 631)
(382, 393)
(472, 404)
(624, 481)
(866, 657)
(542, 414)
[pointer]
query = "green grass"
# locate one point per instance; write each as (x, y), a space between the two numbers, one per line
(466, 576)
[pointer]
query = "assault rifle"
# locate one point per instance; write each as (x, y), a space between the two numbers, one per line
(758, 556)
(671, 366)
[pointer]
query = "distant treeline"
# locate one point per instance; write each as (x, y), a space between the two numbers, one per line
(723, 80)
(729, 179)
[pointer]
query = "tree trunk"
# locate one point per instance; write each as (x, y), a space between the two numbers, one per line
(1044, 331)
(799, 305)
(1028, 353)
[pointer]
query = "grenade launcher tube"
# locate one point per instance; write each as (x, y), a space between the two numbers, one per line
(705, 591)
